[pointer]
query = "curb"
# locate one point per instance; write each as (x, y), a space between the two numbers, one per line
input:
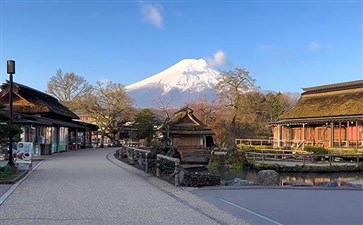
(257, 187)
(13, 188)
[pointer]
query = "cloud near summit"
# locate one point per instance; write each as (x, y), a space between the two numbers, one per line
(219, 59)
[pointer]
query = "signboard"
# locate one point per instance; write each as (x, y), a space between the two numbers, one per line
(24, 155)
(27, 148)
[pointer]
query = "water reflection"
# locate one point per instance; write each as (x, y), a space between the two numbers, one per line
(310, 178)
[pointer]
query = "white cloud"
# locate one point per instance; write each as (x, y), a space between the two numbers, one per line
(152, 14)
(219, 59)
(314, 46)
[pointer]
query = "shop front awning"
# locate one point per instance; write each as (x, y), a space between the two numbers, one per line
(46, 121)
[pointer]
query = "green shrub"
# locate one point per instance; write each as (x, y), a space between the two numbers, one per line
(217, 161)
(213, 166)
(244, 147)
(316, 150)
(236, 159)
(5, 169)
(342, 151)
(237, 165)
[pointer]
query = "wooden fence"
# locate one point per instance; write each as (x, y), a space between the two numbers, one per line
(304, 158)
(176, 167)
(140, 156)
(261, 142)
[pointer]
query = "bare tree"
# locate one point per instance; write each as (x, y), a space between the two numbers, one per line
(109, 106)
(67, 87)
(163, 104)
(232, 91)
(204, 110)
(233, 86)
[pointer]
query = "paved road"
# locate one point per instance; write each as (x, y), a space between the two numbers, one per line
(86, 187)
(289, 206)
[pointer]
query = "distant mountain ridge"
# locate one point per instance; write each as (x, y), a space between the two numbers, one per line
(185, 81)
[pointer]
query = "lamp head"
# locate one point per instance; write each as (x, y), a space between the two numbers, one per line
(11, 66)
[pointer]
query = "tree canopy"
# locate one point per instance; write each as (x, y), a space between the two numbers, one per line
(68, 87)
(145, 121)
(108, 105)
(7, 130)
(242, 110)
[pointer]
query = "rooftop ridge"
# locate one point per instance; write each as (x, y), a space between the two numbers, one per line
(333, 87)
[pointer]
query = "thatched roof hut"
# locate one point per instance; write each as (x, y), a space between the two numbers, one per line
(189, 136)
(327, 115)
(185, 123)
(30, 101)
(343, 101)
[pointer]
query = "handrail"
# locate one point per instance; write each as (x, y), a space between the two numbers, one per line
(239, 141)
(138, 155)
(138, 150)
(168, 158)
(176, 169)
(276, 150)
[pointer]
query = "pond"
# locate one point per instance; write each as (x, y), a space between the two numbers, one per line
(310, 178)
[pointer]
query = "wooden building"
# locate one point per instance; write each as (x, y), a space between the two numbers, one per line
(189, 136)
(330, 116)
(45, 122)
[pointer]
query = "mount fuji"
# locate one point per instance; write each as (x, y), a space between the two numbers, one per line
(187, 80)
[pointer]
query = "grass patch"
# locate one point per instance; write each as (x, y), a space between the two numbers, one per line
(9, 176)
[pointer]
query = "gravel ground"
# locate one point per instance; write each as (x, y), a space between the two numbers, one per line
(92, 187)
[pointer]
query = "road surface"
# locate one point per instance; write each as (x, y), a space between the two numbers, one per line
(92, 187)
(318, 206)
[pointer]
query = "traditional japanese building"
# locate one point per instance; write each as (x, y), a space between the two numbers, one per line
(45, 122)
(330, 116)
(188, 135)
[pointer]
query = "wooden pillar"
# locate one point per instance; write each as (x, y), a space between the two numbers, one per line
(331, 144)
(303, 135)
(347, 135)
(57, 134)
(291, 133)
(340, 134)
(84, 138)
(287, 136)
(76, 147)
(357, 132)
(90, 138)
(278, 136)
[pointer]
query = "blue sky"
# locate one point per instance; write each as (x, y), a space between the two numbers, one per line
(286, 45)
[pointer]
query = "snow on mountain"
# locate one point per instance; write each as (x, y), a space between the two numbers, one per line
(187, 80)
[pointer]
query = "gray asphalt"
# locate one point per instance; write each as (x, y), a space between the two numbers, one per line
(92, 187)
(289, 206)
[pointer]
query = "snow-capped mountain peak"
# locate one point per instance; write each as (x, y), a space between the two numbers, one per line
(188, 74)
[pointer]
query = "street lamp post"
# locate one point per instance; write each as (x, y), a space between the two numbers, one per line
(11, 71)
